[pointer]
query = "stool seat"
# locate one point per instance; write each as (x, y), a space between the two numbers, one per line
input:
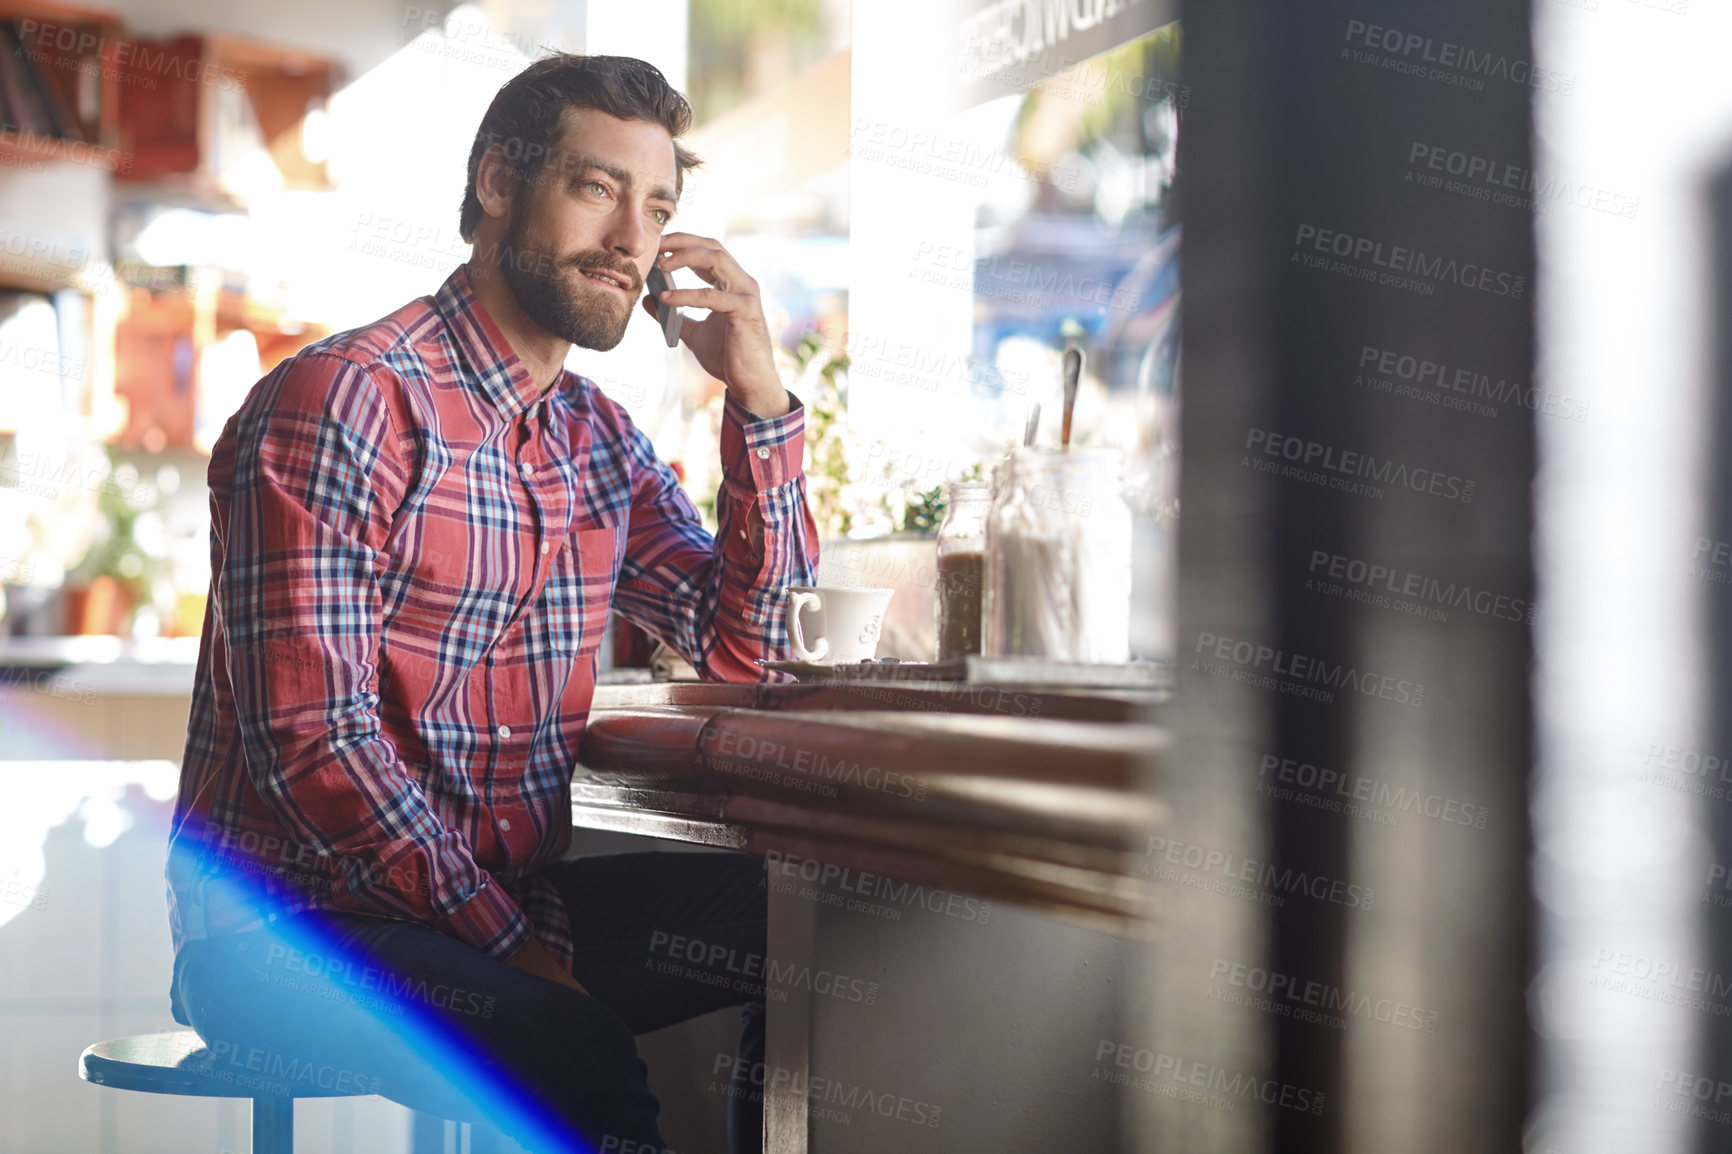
(179, 1062)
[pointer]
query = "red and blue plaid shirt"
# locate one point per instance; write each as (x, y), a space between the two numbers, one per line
(414, 550)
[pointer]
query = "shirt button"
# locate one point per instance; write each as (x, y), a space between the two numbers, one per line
(527, 468)
(505, 824)
(545, 546)
(763, 454)
(505, 731)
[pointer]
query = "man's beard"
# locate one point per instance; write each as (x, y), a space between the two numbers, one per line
(542, 284)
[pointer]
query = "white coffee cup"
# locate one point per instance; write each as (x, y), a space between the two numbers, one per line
(833, 626)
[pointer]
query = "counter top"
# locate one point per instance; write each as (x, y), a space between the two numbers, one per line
(1010, 701)
(102, 664)
(1023, 795)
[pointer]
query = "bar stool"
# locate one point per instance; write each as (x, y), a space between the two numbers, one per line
(178, 1062)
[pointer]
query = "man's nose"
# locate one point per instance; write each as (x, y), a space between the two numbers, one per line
(629, 236)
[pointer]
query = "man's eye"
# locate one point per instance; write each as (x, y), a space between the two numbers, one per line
(595, 186)
(662, 216)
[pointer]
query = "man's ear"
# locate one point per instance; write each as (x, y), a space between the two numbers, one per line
(495, 183)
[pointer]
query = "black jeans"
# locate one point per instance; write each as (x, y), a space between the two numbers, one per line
(369, 1005)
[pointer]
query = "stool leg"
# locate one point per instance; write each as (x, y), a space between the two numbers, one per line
(484, 1139)
(273, 1126)
(430, 1135)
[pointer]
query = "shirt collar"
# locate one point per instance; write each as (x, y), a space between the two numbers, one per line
(495, 369)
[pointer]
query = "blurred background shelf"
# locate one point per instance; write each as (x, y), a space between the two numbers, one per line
(59, 87)
(228, 116)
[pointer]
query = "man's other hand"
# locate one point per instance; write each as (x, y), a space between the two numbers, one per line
(732, 344)
(533, 958)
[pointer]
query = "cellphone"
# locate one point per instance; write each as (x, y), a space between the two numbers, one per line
(666, 315)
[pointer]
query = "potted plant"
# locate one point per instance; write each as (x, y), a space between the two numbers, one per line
(107, 588)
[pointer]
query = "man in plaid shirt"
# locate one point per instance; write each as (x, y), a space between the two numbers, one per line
(418, 530)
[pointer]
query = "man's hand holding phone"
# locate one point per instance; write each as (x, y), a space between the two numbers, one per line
(733, 342)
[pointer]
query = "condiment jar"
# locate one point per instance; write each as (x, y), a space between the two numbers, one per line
(962, 567)
(1058, 558)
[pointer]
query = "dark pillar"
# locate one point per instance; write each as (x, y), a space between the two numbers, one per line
(1349, 785)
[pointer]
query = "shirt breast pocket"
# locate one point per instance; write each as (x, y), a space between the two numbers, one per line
(588, 568)
(596, 551)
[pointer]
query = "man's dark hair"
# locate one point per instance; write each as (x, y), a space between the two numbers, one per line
(526, 118)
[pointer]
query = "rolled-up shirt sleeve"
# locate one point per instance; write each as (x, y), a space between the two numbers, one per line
(718, 600)
(302, 530)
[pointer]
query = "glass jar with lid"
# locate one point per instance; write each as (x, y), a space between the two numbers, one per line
(1058, 558)
(961, 567)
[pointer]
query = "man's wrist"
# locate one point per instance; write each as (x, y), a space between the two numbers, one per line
(765, 403)
(760, 453)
